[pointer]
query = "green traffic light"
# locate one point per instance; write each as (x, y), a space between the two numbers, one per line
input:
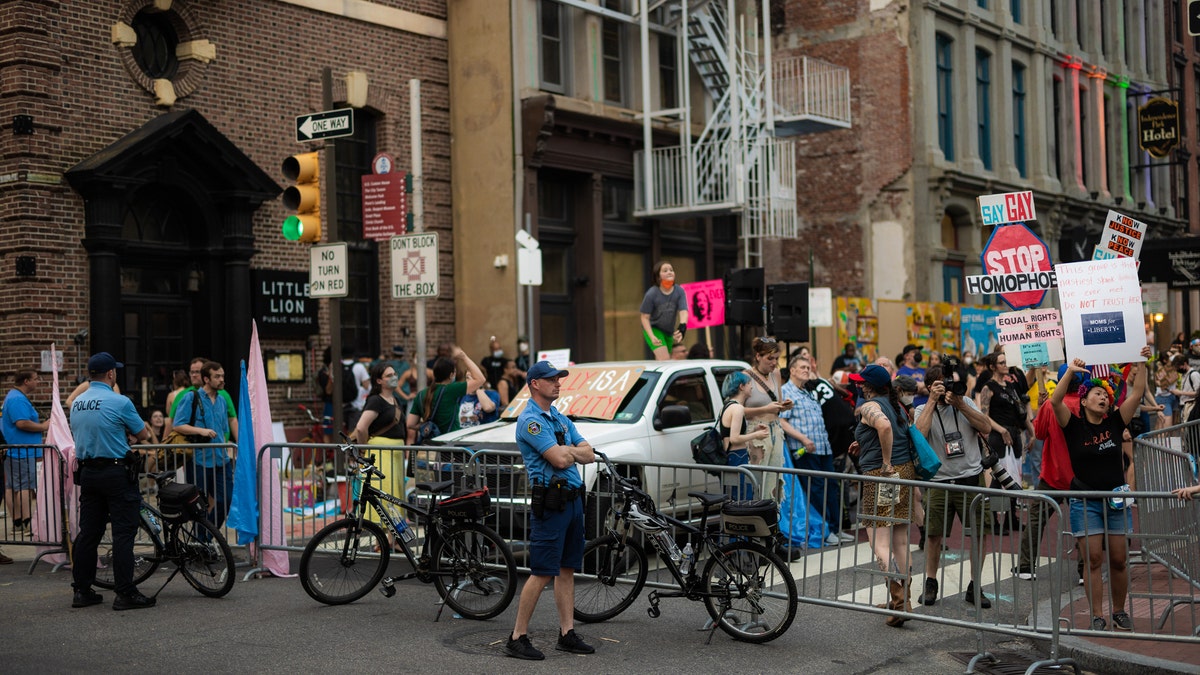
(293, 228)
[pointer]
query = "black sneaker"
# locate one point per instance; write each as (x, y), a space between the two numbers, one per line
(1024, 573)
(86, 598)
(1121, 621)
(969, 596)
(574, 644)
(522, 648)
(1098, 623)
(134, 601)
(929, 597)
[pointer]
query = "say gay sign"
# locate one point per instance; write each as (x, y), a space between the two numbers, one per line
(1010, 207)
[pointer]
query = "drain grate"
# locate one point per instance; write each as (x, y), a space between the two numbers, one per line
(1007, 663)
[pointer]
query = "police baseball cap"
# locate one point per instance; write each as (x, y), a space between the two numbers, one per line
(103, 362)
(543, 370)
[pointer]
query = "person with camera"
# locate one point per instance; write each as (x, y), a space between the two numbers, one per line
(1094, 443)
(952, 424)
(101, 421)
(551, 447)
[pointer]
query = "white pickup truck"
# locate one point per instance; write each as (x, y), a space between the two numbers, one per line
(631, 410)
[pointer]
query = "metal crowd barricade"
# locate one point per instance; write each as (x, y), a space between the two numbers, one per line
(848, 575)
(47, 526)
(209, 466)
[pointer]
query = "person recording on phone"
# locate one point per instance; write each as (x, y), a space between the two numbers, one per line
(952, 424)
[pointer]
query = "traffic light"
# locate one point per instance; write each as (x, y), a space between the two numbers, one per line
(304, 197)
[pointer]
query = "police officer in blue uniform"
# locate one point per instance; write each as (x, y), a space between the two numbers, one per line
(101, 421)
(551, 447)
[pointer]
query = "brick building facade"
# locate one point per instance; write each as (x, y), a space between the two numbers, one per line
(142, 143)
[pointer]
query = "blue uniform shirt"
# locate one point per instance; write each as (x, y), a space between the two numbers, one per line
(209, 415)
(536, 430)
(100, 421)
(16, 408)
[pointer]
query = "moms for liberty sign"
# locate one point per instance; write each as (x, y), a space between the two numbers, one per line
(1102, 310)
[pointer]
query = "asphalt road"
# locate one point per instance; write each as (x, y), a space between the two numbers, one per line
(270, 625)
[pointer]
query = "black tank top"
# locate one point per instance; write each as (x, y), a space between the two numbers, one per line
(725, 431)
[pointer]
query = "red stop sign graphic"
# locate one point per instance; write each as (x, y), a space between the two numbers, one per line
(1014, 248)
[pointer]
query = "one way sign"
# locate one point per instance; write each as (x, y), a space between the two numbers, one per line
(328, 124)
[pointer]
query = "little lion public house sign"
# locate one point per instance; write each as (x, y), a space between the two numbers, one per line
(282, 307)
(1158, 126)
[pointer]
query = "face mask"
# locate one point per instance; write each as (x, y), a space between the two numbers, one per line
(392, 381)
(498, 353)
(523, 347)
(906, 400)
(667, 283)
(968, 360)
(918, 357)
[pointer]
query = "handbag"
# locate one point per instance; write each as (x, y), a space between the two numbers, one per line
(927, 461)
(709, 446)
(176, 438)
(428, 429)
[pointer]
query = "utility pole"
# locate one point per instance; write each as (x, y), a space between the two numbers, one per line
(335, 305)
(418, 211)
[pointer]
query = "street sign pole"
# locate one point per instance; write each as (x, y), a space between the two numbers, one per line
(418, 211)
(332, 235)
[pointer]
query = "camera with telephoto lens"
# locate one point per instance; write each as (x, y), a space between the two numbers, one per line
(992, 461)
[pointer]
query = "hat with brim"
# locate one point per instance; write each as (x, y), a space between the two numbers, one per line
(103, 362)
(876, 376)
(542, 370)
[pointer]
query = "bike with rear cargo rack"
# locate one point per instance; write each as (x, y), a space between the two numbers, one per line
(470, 565)
(748, 590)
(175, 532)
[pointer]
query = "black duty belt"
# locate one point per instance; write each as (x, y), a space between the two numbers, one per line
(94, 462)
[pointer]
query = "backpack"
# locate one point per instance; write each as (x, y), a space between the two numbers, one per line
(428, 429)
(349, 385)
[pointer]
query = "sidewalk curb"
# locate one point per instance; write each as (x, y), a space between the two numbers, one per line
(1104, 659)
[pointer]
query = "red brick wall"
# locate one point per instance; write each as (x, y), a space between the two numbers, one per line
(840, 174)
(57, 63)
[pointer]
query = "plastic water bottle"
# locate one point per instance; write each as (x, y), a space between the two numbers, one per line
(400, 525)
(148, 518)
(689, 557)
(668, 545)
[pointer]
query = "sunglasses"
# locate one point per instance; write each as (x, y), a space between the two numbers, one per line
(767, 340)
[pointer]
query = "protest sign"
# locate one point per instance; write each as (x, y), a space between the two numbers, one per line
(587, 392)
(706, 303)
(1122, 238)
(1032, 337)
(1011, 207)
(1102, 310)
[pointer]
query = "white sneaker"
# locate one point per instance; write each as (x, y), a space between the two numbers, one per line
(846, 538)
(833, 540)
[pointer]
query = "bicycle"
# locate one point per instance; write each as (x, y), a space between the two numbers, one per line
(175, 532)
(471, 567)
(747, 589)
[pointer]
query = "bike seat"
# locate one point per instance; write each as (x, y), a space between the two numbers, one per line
(436, 488)
(710, 499)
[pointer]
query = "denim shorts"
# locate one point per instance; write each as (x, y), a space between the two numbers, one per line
(20, 473)
(1167, 401)
(556, 540)
(1098, 517)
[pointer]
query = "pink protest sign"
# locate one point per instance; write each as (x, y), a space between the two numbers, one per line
(706, 303)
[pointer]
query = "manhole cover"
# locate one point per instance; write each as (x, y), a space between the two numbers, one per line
(1006, 663)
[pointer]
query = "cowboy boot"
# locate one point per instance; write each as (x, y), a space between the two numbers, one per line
(897, 590)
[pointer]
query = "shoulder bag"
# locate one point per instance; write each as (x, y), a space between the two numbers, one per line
(927, 463)
(176, 438)
(709, 447)
(428, 429)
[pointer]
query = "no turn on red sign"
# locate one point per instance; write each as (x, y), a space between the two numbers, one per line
(1023, 259)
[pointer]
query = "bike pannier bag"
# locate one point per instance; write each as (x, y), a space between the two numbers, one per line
(472, 505)
(181, 502)
(754, 518)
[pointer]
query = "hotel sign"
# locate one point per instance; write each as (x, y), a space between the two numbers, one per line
(1158, 126)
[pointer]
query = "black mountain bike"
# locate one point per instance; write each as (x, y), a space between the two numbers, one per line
(175, 532)
(748, 590)
(471, 567)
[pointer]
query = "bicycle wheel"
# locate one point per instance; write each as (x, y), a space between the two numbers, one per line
(147, 555)
(473, 570)
(343, 562)
(749, 592)
(204, 557)
(615, 572)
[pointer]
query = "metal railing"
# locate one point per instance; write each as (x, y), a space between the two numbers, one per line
(805, 88)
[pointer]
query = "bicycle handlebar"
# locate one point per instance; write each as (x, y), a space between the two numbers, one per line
(622, 482)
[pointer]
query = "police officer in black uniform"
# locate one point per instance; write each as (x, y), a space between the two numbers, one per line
(101, 421)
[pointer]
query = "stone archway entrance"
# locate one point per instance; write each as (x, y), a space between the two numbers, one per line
(169, 235)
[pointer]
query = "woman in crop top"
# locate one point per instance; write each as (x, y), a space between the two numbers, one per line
(763, 406)
(736, 390)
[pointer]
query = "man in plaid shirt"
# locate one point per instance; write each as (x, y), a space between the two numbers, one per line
(806, 438)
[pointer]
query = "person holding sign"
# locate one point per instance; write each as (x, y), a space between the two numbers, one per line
(1094, 443)
(664, 312)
